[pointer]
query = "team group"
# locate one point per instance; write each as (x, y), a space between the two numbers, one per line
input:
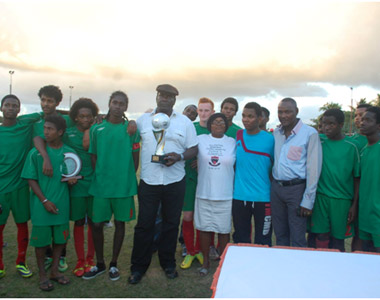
(296, 180)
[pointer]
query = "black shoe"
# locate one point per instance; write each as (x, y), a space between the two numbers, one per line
(95, 271)
(135, 277)
(171, 273)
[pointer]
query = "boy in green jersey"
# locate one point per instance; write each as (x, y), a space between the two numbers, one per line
(50, 97)
(361, 142)
(115, 157)
(82, 113)
(205, 110)
(15, 143)
(50, 203)
(337, 193)
(369, 192)
(229, 108)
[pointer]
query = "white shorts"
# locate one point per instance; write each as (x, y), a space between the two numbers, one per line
(213, 215)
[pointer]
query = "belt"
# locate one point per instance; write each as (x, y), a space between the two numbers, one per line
(290, 182)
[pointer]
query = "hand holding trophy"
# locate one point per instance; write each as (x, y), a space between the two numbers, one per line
(160, 123)
(71, 167)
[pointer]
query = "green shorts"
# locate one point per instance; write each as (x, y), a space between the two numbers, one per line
(188, 203)
(375, 238)
(80, 207)
(43, 236)
(330, 215)
(18, 202)
(122, 208)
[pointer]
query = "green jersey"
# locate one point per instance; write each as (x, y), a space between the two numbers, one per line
(369, 191)
(191, 173)
(360, 140)
(114, 175)
(38, 127)
(341, 163)
(74, 138)
(15, 143)
(232, 130)
(53, 189)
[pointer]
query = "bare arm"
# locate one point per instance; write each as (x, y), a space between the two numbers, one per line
(136, 159)
(40, 144)
(48, 205)
(94, 157)
(354, 207)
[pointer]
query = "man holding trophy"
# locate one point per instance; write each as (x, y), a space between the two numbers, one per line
(168, 139)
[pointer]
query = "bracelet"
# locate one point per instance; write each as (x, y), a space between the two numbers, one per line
(46, 200)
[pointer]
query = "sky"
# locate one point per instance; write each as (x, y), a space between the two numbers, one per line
(263, 51)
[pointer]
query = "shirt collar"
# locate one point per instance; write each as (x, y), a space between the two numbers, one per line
(296, 128)
(174, 113)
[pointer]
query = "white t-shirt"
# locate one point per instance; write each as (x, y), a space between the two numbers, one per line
(216, 159)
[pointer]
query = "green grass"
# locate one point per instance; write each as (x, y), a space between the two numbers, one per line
(154, 284)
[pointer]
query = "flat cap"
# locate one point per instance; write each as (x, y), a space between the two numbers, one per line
(167, 88)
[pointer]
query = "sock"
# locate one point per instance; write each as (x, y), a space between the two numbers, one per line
(90, 245)
(79, 242)
(197, 247)
(212, 239)
(101, 266)
(188, 236)
(22, 242)
(113, 264)
(1, 247)
(322, 244)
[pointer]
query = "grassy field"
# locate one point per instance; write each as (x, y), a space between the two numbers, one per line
(154, 284)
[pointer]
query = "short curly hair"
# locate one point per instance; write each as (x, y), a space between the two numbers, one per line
(83, 103)
(51, 91)
(215, 116)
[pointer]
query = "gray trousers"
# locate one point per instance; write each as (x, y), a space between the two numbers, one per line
(290, 229)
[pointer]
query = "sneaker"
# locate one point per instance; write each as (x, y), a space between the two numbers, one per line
(62, 265)
(187, 261)
(95, 271)
(199, 257)
(88, 265)
(79, 269)
(213, 254)
(23, 270)
(184, 250)
(114, 273)
(48, 262)
(2, 273)
(108, 224)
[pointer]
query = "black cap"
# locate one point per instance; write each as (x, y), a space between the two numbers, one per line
(167, 88)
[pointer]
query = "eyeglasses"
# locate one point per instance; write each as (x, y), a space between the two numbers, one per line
(218, 123)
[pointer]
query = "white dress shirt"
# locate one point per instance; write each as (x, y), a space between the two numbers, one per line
(179, 137)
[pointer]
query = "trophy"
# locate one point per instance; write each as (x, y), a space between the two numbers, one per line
(71, 166)
(160, 123)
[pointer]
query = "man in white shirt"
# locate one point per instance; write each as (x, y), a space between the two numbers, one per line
(161, 183)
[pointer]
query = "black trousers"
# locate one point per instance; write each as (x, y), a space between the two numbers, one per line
(171, 197)
(242, 213)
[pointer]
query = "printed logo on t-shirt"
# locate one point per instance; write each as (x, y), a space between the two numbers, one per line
(214, 161)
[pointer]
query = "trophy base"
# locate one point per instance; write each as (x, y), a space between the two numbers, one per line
(64, 179)
(158, 159)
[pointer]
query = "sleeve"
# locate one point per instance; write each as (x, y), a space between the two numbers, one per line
(38, 130)
(191, 135)
(313, 170)
(356, 171)
(136, 141)
(30, 118)
(29, 170)
(69, 122)
(92, 149)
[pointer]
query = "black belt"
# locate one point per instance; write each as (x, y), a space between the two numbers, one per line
(290, 182)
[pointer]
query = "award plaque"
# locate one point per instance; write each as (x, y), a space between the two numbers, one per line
(71, 166)
(160, 123)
